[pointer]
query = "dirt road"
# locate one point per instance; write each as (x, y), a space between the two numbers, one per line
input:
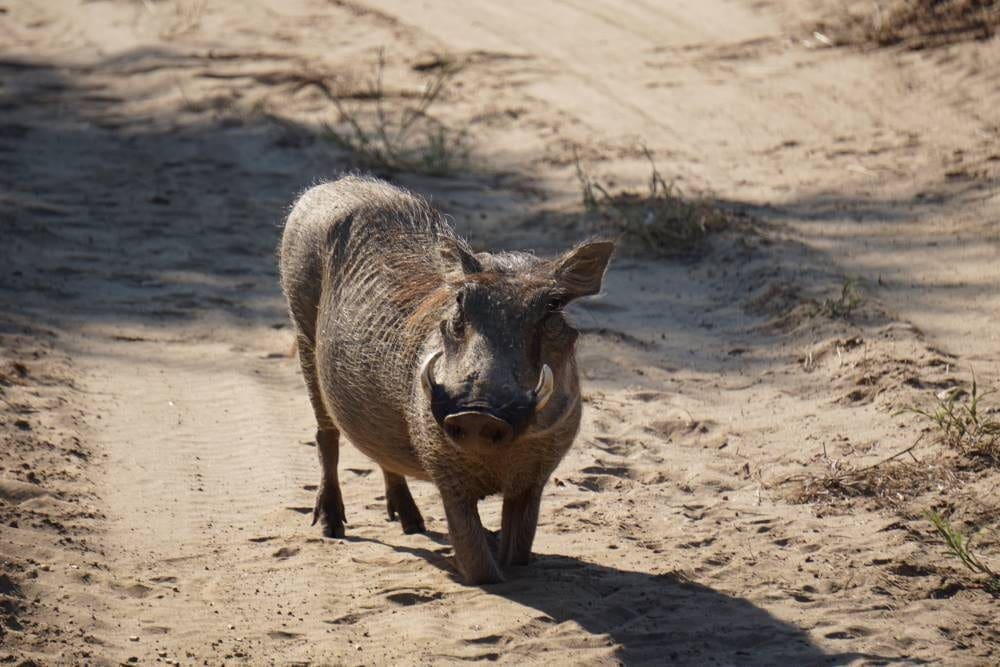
(156, 492)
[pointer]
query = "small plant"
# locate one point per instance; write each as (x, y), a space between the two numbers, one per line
(841, 308)
(660, 221)
(961, 548)
(407, 139)
(965, 426)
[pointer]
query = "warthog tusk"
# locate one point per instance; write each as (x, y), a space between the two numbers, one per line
(543, 392)
(427, 374)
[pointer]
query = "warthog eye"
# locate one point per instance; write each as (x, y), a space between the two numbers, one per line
(553, 324)
(554, 304)
(456, 326)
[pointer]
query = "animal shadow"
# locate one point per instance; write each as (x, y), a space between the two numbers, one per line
(655, 618)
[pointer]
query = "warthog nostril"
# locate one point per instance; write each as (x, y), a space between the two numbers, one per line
(495, 432)
(474, 427)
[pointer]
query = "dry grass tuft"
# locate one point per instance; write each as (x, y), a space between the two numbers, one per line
(965, 428)
(888, 482)
(177, 17)
(660, 221)
(917, 24)
(402, 139)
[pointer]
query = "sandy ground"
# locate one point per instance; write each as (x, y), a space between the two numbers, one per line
(157, 471)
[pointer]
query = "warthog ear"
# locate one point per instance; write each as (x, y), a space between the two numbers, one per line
(581, 270)
(456, 260)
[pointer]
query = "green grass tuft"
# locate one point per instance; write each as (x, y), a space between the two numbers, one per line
(965, 425)
(960, 548)
(841, 308)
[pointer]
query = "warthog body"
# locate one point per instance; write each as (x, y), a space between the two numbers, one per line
(438, 363)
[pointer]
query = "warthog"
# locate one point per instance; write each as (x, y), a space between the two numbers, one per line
(437, 362)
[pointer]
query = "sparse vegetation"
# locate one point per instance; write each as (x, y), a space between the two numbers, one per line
(849, 300)
(961, 548)
(403, 139)
(887, 482)
(660, 221)
(916, 24)
(966, 426)
(961, 424)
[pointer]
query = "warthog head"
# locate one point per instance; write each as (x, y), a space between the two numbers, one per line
(504, 366)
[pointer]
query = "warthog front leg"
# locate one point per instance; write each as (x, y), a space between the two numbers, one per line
(517, 526)
(399, 502)
(468, 538)
(329, 501)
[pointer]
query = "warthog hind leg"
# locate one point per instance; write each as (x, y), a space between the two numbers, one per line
(329, 501)
(399, 503)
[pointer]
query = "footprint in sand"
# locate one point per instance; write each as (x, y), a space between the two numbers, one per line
(285, 552)
(410, 598)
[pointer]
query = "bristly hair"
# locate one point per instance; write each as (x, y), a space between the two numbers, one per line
(426, 295)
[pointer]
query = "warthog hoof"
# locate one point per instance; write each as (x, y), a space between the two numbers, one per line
(400, 506)
(330, 509)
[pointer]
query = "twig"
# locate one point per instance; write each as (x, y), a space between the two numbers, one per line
(845, 477)
(890, 458)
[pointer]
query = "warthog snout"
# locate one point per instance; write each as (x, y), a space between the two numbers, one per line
(484, 422)
(474, 427)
